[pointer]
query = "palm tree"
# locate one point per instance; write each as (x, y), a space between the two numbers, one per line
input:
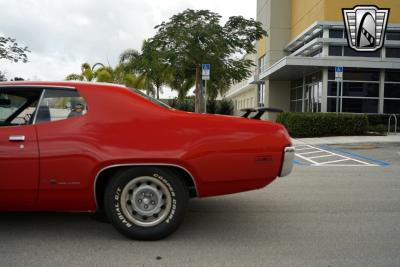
(88, 73)
(101, 73)
(148, 65)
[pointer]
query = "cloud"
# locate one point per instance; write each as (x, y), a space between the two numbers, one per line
(63, 34)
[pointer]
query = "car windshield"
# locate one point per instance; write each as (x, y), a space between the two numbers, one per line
(155, 101)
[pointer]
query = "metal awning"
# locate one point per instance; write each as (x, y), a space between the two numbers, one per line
(293, 67)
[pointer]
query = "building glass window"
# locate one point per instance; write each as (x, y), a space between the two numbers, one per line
(336, 33)
(348, 52)
(391, 102)
(393, 36)
(354, 105)
(392, 76)
(352, 74)
(393, 52)
(355, 89)
(296, 95)
(392, 90)
(360, 92)
(391, 106)
(335, 50)
(261, 94)
(311, 96)
(261, 64)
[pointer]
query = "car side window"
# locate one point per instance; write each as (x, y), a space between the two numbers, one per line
(60, 104)
(18, 105)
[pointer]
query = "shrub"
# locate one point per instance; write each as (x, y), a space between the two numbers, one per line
(223, 106)
(382, 121)
(380, 129)
(212, 106)
(186, 104)
(323, 124)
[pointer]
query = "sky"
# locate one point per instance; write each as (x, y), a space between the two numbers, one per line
(63, 34)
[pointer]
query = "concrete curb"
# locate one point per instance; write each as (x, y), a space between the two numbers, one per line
(347, 140)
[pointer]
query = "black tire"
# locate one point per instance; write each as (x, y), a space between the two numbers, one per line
(130, 186)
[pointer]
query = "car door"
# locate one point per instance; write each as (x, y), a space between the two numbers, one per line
(19, 154)
(66, 157)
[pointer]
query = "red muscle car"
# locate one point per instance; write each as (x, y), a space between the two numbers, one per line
(69, 146)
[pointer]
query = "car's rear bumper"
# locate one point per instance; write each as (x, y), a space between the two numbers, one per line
(288, 158)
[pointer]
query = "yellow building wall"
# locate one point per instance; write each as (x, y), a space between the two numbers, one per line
(306, 12)
(333, 8)
(261, 49)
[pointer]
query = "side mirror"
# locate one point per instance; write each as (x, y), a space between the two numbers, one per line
(5, 103)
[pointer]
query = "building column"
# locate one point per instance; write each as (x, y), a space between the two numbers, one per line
(303, 95)
(381, 91)
(324, 97)
(325, 47)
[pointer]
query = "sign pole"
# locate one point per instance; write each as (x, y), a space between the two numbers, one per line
(341, 95)
(339, 86)
(205, 77)
(337, 96)
(205, 96)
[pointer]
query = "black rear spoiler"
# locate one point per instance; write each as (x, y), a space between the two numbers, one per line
(260, 112)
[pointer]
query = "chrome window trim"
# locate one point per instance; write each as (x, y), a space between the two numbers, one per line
(140, 164)
(38, 105)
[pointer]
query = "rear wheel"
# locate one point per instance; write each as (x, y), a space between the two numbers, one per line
(146, 203)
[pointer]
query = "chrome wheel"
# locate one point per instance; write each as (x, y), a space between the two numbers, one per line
(146, 201)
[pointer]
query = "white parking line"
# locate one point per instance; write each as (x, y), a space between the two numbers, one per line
(328, 162)
(322, 156)
(312, 152)
(301, 149)
(334, 161)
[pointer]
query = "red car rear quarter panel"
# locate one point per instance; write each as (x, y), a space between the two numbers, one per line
(230, 154)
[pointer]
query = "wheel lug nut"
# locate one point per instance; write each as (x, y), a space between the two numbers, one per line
(153, 203)
(140, 201)
(146, 206)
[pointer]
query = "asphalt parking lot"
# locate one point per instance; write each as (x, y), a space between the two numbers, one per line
(323, 214)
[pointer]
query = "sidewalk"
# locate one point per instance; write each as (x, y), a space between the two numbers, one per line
(346, 140)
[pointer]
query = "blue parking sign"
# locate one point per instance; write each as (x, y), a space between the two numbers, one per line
(205, 71)
(338, 69)
(338, 73)
(205, 66)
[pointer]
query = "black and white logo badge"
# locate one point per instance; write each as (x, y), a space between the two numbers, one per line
(366, 27)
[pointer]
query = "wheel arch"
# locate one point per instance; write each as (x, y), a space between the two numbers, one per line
(105, 174)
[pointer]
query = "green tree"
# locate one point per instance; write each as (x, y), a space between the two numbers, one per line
(148, 65)
(88, 73)
(101, 73)
(194, 37)
(10, 50)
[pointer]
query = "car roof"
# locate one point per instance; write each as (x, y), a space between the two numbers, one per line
(56, 84)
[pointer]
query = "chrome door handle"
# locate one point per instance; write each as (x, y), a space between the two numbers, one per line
(16, 138)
